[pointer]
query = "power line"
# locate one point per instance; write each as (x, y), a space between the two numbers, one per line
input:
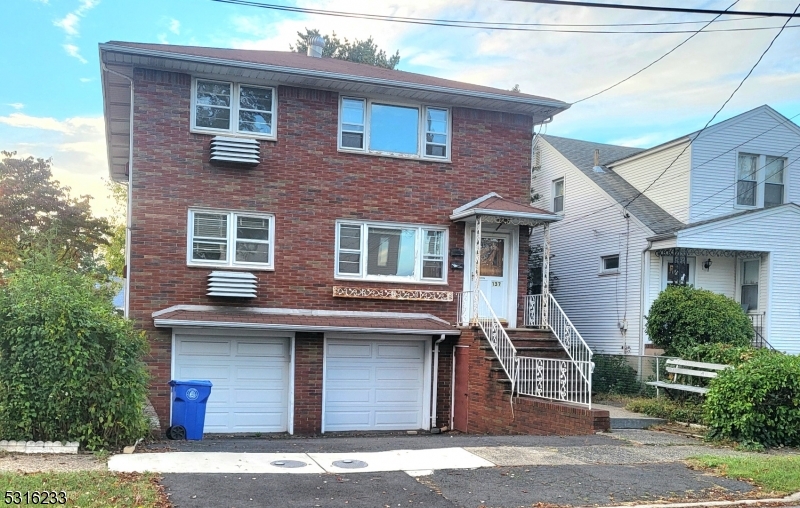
(660, 8)
(656, 60)
(718, 110)
(482, 25)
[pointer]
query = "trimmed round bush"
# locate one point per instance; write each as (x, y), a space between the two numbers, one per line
(682, 317)
(757, 402)
(70, 367)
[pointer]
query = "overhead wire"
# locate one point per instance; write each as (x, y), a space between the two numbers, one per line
(481, 25)
(657, 8)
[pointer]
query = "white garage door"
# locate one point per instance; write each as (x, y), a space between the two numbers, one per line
(250, 377)
(374, 384)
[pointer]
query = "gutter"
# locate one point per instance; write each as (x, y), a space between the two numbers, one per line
(333, 75)
(128, 224)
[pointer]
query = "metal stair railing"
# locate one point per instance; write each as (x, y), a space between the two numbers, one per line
(499, 341)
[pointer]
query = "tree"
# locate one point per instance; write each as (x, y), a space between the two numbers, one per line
(358, 51)
(113, 253)
(32, 203)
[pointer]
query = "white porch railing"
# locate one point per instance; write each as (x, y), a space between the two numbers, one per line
(566, 333)
(548, 378)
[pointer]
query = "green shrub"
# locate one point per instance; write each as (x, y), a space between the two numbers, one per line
(682, 317)
(70, 367)
(725, 354)
(687, 411)
(758, 401)
(613, 375)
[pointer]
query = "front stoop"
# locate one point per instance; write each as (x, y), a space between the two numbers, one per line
(490, 401)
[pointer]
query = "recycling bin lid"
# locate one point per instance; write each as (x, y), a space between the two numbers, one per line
(192, 382)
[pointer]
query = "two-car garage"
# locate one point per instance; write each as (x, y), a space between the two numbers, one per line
(369, 382)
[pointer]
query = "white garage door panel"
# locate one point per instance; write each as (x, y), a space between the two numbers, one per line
(250, 378)
(374, 384)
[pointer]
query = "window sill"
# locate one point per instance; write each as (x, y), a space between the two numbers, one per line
(243, 135)
(392, 281)
(236, 268)
(610, 272)
(395, 156)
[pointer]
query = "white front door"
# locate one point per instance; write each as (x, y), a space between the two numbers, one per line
(497, 276)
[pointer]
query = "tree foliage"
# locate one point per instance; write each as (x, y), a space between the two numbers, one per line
(70, 367)
(682, 317)
(758, 402)
(31, 202)
(366, 52)
(113, 252)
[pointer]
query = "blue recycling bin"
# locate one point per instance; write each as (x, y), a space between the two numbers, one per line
(189, 400)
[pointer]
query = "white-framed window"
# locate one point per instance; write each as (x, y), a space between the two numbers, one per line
(760, 181)
(749, 285)
(609, 264)
(236, 108)
(390, 252)
(401, 130)
(558, 195)
(233, 239)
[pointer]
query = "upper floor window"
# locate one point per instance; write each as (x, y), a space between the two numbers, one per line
(760, 180)
(390, 252)
(233, 107)
(394, 129)
(218, 238)
(558, 195)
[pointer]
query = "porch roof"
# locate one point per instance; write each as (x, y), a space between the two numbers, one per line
(301, 320)
(495, 205)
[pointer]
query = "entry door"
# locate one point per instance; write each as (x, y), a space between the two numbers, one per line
(494, 262)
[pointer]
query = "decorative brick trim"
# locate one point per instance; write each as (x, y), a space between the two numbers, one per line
(38, 447)
(393, 294)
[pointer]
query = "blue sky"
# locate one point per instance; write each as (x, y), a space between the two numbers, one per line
(50, 98)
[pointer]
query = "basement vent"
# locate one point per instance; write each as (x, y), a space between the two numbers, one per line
(235, 150)
(232, 284)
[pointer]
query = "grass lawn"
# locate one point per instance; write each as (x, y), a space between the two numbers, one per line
(774, 473)
(90, 489)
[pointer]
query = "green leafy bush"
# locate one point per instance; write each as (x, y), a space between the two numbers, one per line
(70, 367)
(719, 353)
(613, 375)
(758, 401)
(687, 411)
(682, 317)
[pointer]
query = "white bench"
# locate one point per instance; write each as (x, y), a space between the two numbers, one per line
(685, 370)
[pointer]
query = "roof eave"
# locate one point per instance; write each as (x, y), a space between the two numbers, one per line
(558, 106)
(549, 217)
(170, 323)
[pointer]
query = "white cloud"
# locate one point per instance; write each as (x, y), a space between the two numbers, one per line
(86, 80)
(76, 145)
(73, 51)
(68, 23)
(16, 105)
(175, 26)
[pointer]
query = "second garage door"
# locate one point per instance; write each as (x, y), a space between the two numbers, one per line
(375, 384)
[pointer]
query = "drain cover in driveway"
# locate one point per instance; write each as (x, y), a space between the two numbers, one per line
(350, 464)
(288, 463)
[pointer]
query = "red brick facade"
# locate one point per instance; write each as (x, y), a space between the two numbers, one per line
(307, 184)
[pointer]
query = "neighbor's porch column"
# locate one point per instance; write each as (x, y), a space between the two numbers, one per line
(545, 273)
(476, 271)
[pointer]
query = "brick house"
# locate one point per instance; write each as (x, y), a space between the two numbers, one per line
(302, 232)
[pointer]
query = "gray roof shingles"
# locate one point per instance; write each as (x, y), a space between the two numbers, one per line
(581, 155)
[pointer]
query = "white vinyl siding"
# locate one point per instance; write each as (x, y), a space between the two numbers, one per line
(715, 156)
(671, 191)
(236, 108)
(394, 129)
(595, 305)
(232, 239)
(390, 252)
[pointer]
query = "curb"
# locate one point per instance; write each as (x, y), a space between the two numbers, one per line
(744, 502)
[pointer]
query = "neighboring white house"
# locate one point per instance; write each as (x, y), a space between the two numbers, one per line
(723, 215)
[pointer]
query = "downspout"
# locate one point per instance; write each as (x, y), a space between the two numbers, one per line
(126, 305)
(434, 390)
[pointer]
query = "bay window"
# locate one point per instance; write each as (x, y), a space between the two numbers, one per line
(390, 252)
